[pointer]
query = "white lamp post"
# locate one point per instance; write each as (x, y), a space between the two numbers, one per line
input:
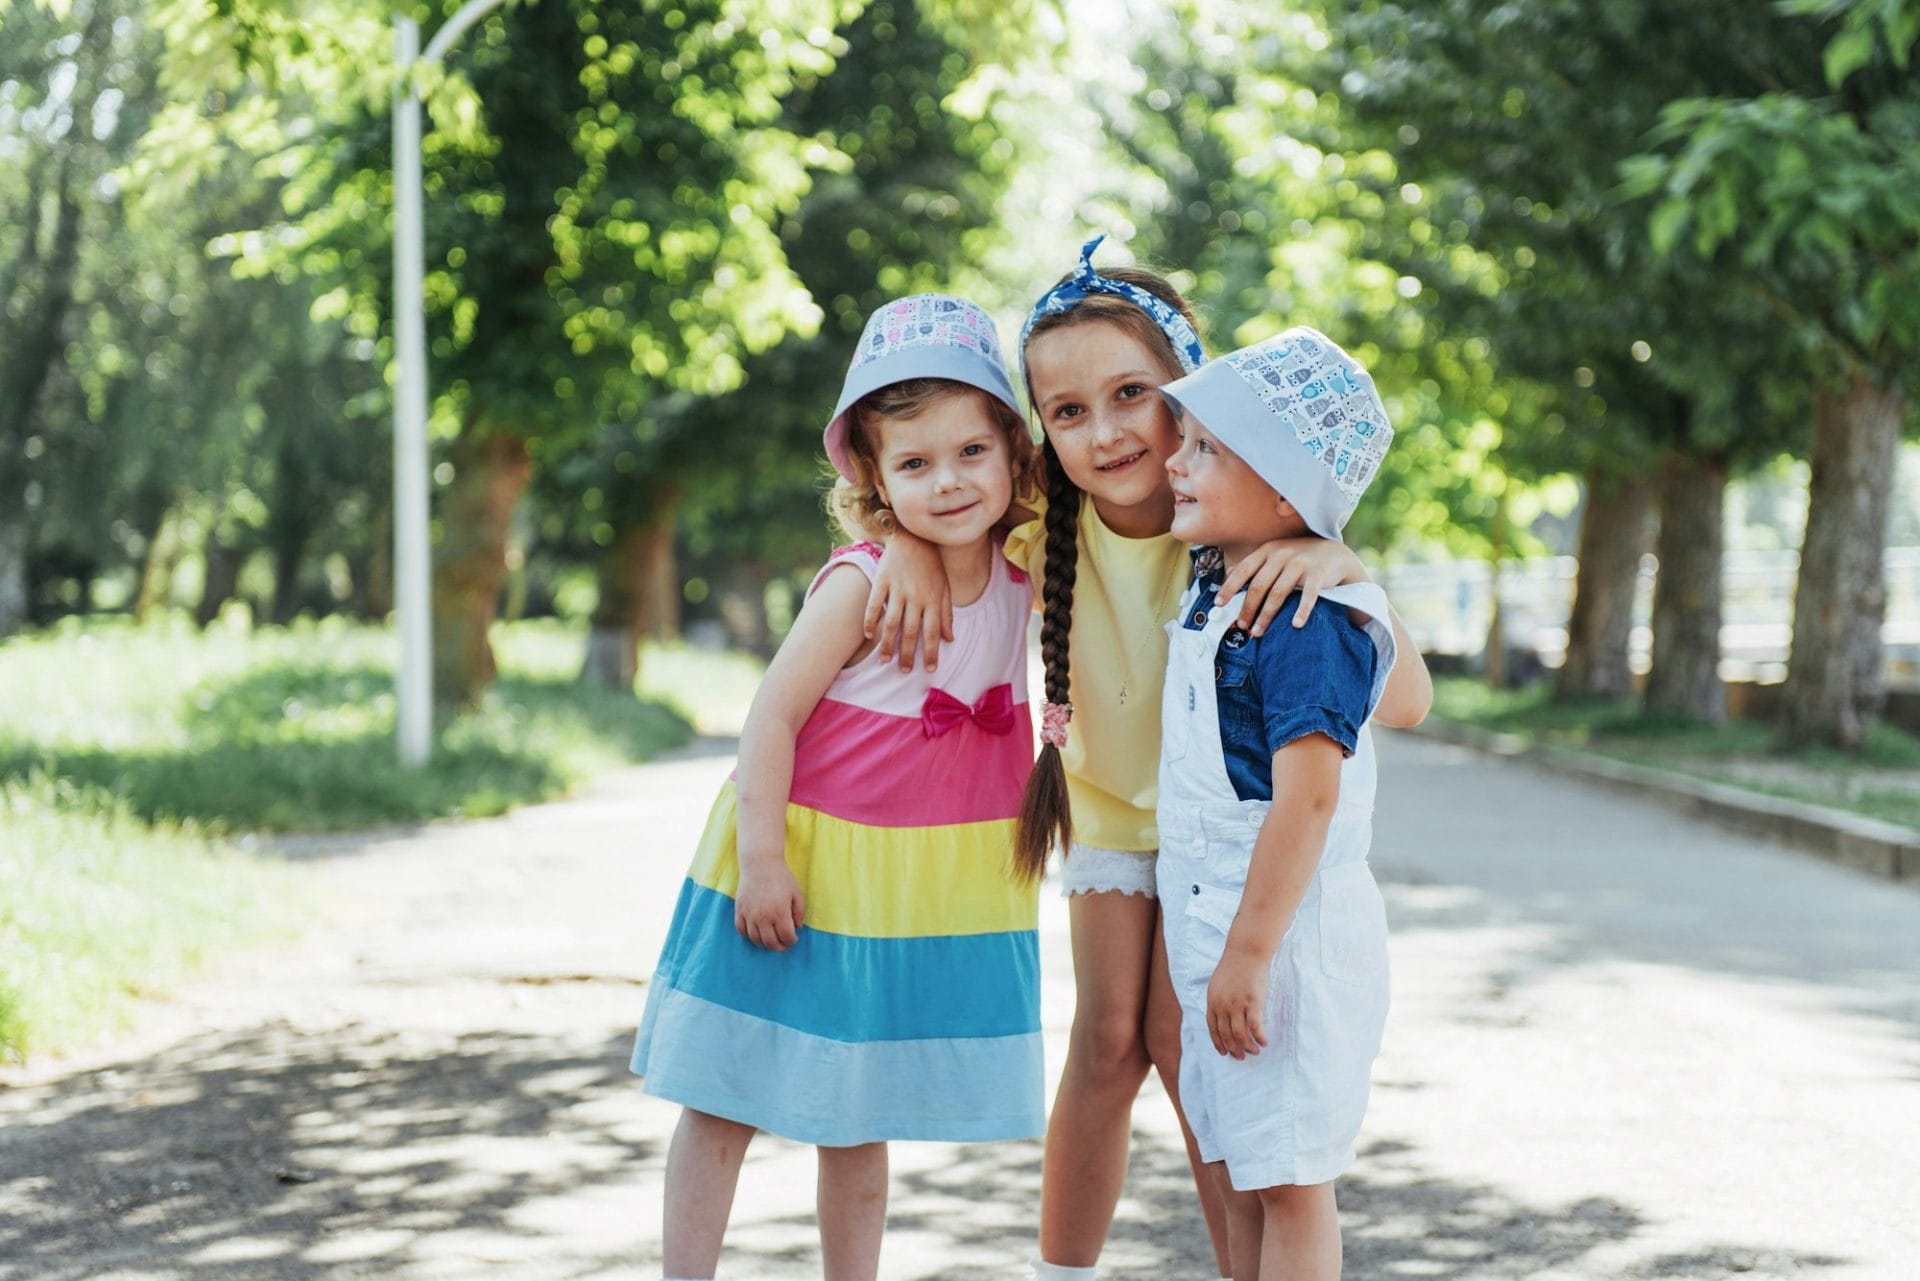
(413, 603)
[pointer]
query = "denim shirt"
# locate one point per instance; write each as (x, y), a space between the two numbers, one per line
(1291, 682)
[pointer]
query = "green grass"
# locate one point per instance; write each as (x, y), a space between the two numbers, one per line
(102, 908)
(128, 756)
(1881, 782)
(293, 729)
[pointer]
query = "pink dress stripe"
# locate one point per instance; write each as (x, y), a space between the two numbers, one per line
(882, 771)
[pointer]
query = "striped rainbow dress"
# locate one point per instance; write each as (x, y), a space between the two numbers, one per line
(910, 1007)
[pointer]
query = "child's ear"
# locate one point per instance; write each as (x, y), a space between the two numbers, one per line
(1284, 509)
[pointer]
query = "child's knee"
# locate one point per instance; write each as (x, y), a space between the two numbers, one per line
(1163, 1040)
(717, 1129)
(1295, 1200)
(1111, 1045)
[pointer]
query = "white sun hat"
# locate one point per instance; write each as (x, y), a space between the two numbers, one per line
(1302, 413)
(919, 336)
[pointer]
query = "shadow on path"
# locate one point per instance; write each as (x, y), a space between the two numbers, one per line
(254, 1155)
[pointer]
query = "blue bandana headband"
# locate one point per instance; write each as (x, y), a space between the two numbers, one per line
(1085, 280)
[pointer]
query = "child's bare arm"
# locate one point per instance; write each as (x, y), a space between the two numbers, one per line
(769, 908)
(1408, 696)
(911, 601)
(1306, 787)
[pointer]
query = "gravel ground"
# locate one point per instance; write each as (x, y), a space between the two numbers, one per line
(1624, 1045)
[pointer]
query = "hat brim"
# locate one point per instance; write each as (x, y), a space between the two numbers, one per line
(1218, 397)
(959, 364)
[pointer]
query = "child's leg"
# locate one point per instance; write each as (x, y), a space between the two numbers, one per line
(1300, 1236)
(703, 1167)
(853, 1210)
(1163, 1047)
(1085, 1163)
(1243, 1219)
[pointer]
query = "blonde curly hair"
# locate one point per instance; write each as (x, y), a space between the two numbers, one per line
(856, 504)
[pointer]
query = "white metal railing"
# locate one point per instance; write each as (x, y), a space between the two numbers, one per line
(1447, 606)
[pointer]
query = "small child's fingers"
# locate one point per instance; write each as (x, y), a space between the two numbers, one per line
(1309, 597)
(784, 928)
(876, 606)
(890, 627)
(946, 617)
(1259, 592)
(1236, 578)
(930, 643)
(909, 640)
(1270, 597)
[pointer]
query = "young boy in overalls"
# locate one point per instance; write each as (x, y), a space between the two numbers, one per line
(1276, 934)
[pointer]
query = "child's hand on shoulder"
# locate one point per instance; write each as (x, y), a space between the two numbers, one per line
(769, 908)
(1236, 1000)
(1274, 570)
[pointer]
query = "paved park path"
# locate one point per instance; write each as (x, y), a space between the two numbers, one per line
(1623, 1045)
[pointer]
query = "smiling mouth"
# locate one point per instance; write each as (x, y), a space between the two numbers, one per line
(1118, 463)
(959, 510)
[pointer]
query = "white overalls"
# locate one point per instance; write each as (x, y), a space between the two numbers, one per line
(1290, 1114)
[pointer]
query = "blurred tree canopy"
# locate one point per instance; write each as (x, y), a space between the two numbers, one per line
(1599, 255)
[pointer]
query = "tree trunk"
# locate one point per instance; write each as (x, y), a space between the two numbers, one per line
(15, 538)
(1835, 677)
(157, 566)
(1613, 537)
(470, 564)
(1685, 677)
(374, 583)
(630, 577)
(741, 602)
(223, 579)
(660, 576)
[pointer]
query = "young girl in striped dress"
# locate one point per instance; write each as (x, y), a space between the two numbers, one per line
(853, 957)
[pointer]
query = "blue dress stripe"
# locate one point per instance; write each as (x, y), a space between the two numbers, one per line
(843, 988)
(834, 1093)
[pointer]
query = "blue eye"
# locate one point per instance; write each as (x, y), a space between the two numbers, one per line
(971, 450)
(913, 464)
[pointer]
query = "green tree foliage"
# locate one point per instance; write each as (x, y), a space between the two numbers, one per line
(600, 195)
(1488, 137)
(1807, 188)
(905, 195)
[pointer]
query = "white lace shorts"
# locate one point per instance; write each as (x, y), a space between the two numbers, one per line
(1093, 869)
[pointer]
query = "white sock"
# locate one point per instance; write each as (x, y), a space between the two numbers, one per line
(1043, 1271)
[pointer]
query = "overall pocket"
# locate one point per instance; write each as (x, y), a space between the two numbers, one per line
(1353, 925)
(1208, 915)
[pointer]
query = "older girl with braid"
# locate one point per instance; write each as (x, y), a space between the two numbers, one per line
(1095, 351)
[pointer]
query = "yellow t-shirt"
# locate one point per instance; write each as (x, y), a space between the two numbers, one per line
(1125, 590)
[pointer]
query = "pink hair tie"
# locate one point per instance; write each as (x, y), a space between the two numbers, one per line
(1053, 723)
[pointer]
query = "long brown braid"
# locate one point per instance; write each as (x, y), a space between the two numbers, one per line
(1046, 812)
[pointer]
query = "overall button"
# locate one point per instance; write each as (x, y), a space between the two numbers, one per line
(1196, 889)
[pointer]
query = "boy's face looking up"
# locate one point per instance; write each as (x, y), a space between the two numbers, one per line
(1219, 500)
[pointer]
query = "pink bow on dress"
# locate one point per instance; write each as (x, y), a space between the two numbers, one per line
(942, 712)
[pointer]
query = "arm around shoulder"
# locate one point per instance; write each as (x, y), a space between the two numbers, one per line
(1408, 696)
